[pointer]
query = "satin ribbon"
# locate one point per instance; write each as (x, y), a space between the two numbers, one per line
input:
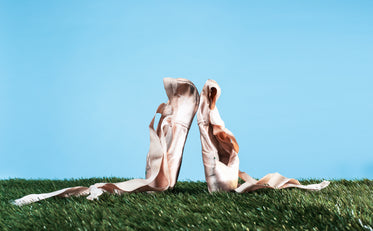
(219, 150)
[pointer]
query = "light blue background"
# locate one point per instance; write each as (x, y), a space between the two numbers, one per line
(81, 80)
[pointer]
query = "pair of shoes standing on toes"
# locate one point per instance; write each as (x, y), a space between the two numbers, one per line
(219, 149)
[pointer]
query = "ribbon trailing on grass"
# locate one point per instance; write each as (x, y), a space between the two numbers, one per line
(219, 150)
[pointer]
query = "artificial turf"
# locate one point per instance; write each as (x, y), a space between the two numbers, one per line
(344, 205)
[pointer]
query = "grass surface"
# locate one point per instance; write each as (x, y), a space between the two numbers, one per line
(344, 205)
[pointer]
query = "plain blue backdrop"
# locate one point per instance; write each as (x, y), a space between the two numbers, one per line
(81, 80)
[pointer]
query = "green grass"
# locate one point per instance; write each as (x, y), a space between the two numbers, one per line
(344, 205)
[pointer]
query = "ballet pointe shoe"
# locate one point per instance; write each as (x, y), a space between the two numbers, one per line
(219, 146)
(165, 152)
(173, 127)
(166, 142)
(220, 152)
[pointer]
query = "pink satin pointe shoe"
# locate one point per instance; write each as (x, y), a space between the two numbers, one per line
(220, 148)
(172, 130)
(165, 152)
